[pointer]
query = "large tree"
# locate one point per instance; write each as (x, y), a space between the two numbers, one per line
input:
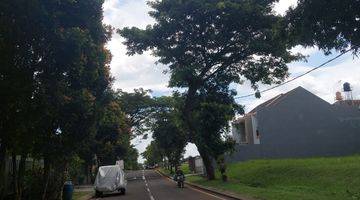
(18, 63)
(137, 106)
(54, 68)
(167, 130)
(214, 108)
(112, 139)
(328, 24)
(153, 154)
(205, 41)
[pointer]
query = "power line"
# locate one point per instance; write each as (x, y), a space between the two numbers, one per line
(299, 76)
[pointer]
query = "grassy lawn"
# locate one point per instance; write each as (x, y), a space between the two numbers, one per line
(184, 167)
(81, 195)
(289, 179)
(165, 171)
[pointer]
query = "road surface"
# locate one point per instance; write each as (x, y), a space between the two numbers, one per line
(150, 185)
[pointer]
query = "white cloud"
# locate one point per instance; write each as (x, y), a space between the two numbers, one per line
(132, 71)
(135, 71)
(304, 51)
(123, 13)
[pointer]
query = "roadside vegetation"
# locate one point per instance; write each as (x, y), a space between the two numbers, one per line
(184, 167)
(82, 195)
(288, 179)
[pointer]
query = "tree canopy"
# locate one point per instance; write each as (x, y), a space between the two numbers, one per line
(137, 106)
(328, 24)
(203, 39)
(54, 82)
(213, 43)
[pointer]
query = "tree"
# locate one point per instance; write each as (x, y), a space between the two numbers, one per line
(131, 159)
(73, 77)
(112, 139)
(137, 106)
(52, 77)
(167, 130)
(215, 107)
(210, 41)
(152, 154)
(328, 24)
(17, 66)
(169, 138)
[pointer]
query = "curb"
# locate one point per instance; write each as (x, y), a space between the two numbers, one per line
(207, 189)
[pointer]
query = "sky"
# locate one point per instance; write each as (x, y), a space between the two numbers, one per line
(137, 71)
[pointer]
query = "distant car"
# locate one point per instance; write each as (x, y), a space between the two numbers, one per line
(151, 166)
(110, 179)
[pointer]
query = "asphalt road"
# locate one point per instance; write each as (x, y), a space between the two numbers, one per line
(150, 185)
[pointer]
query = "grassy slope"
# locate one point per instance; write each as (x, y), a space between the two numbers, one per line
(315, 178)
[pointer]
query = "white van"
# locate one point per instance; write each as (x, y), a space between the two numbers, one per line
(110, 179)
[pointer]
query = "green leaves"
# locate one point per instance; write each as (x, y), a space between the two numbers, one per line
(201, 39)
(208, 45)
(137, 106)
(328, 24)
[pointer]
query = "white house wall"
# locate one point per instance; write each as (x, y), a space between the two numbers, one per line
(254, 128)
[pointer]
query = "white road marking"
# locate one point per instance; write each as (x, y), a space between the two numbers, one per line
(147, 186)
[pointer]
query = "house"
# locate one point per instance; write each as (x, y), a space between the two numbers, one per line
(196, 165)
(351, 103)
(297, 124)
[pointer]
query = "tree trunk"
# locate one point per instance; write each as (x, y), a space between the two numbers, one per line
(21, 174)
(208, 163)
(187, 111)
(187, 114)
(14, 175)
(3, 172)
(46, 177)
(86, 168)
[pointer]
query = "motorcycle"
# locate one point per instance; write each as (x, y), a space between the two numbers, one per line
(179, 178)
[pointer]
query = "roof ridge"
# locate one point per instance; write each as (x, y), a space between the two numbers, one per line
(274, 100)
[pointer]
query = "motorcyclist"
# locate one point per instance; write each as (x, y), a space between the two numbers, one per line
(180, 178)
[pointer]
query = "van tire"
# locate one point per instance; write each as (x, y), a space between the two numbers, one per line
(122, 191)
(98, 193)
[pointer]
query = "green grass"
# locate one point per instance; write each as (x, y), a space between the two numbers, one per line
(165, 171)
(291, 179)
(81, 195)
(185, 168)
